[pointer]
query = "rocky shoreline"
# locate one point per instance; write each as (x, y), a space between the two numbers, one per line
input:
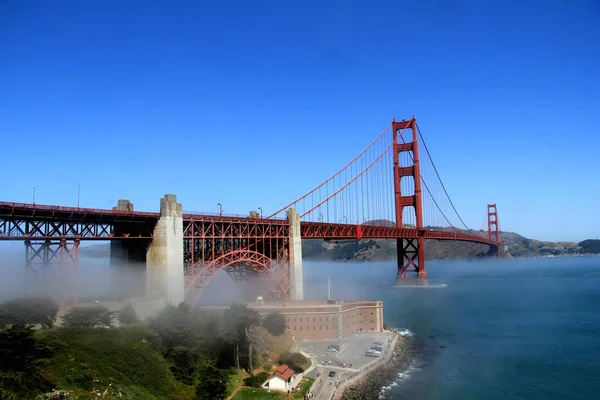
(369, 386)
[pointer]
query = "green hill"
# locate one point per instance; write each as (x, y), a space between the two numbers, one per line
(87, 360)
(513, 245)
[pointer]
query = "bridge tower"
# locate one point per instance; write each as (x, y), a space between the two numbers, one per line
(411, 251)
(493, 226)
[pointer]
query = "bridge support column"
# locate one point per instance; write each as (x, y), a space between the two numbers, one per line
(164, 259)
(127, 259)
(295, 262)
(411, 257)
(411, 251)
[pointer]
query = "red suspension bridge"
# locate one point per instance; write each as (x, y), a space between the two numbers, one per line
(391, 190)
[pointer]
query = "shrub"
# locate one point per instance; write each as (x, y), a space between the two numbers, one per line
(127, 315)
(267, 366)
(87, 359)
(29, 311)
(293, 360)
(274, 323)
(256, 380)
(89, 317)
(20, 356)
(212, 382)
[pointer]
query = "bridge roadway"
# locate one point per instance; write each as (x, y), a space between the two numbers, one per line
(19, 221)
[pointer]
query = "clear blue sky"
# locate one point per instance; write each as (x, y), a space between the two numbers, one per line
(253, 105)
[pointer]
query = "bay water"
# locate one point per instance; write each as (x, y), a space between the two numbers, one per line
(501, 329)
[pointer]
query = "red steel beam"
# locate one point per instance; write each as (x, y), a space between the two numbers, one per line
(52, 222)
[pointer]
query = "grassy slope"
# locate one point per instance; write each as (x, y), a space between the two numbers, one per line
(247, 393)
(117, 355)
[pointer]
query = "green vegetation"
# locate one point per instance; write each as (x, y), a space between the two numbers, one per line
(127, 315)
(303, 387)
(248, 393)
(235, 377)
(180, 354)
(257, 394)
(275, 324)
(590, 246)
(20, 356)
(295, 361)
(86, 359)
(89, 317)
(30, 311)
(256, 380)
(382, 249)
(212, 382)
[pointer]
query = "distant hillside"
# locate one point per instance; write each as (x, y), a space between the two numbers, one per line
(513, 245)
(383, 249)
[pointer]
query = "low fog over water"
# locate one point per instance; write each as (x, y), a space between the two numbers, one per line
(500, 329)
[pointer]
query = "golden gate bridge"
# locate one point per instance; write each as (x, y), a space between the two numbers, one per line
(390, 190)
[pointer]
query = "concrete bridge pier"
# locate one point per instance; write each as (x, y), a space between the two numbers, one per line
(141, 267)
(295, 262)
(164, 259)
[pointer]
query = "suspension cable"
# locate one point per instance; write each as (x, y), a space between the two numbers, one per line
(440, 179)
(429, 191)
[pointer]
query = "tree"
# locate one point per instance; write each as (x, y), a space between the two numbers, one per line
(237, 320)
(212, 382)
(275, 324)
(590, 246)
(256, 380)
(186, 338)
(29, 311)
(127, 315)
(20, 354)
(293, 360)
(89, 317)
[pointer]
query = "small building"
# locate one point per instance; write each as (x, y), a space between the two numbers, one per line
(281, 379)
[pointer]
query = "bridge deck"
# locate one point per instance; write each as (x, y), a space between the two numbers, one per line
(19, 221)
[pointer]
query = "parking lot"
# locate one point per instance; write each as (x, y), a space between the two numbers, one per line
(352, 351)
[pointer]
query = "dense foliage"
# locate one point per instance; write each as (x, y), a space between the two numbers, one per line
(213, 384)
(590, 246)
(20, 356)
(127, 315)
(275, 324)
(28, 311)
(295, 361)
(178, 354)
(89, 317)
(256, 380)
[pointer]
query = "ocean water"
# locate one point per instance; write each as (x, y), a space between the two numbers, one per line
(502, 329)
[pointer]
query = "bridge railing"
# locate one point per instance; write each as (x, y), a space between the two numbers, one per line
(80, 210)
(216, 214)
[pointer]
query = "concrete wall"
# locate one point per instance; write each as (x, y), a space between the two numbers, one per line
(329, 321)
(363, 317)
(164, 259)
(295, 263)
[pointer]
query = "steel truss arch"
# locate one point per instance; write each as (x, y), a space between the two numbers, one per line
(202, 275)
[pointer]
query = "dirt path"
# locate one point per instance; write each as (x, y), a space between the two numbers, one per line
(240, 384)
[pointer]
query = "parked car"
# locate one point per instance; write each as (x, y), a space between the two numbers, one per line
(333, 348)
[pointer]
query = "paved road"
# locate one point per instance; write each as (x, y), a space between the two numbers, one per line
(352, 351)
